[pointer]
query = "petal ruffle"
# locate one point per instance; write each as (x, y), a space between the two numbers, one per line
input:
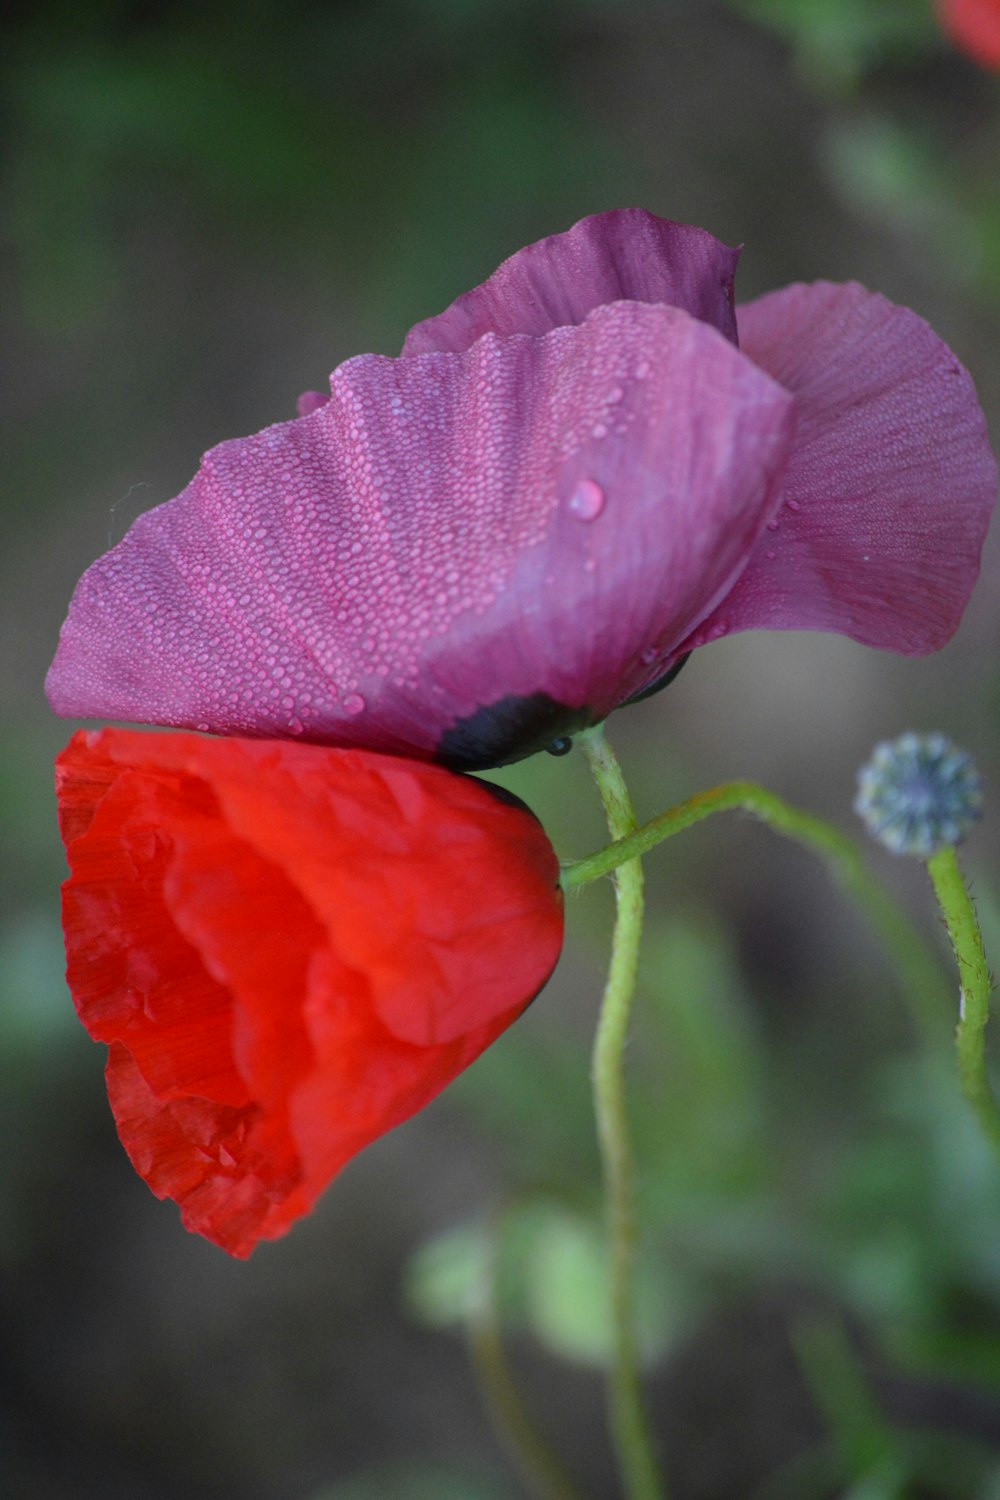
(458, 556)
(625, 255)
(891, 482)
(290, 950)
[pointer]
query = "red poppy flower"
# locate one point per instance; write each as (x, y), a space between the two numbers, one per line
(569, 479)
(974, 25)
(290, 950)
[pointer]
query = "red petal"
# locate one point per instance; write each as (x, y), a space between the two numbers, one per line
(974, 25)
(291, 949)
(890, 485)
(196, 1153)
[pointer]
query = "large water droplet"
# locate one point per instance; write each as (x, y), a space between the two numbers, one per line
(772, 525)
(295, 726)
(354, 703)
(587, 500)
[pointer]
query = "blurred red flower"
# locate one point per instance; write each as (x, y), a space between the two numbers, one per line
(974, 25)
(290, 950)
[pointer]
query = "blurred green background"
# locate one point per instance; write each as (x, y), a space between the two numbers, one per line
(205, 209)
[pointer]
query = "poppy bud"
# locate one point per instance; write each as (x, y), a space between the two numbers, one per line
(919, 793)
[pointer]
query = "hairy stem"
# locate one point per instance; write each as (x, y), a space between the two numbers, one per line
(918, 970)
(630, 1430)
(974, 995)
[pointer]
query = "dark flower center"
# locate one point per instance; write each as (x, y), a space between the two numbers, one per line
(509, 729)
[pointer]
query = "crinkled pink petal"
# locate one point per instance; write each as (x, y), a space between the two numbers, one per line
(891, 483)
(626, 255)
(533, 519)
(311, 401)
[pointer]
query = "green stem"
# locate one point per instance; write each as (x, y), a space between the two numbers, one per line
(915, 963)
(974, 978)
(543, 1475)
(637, 1461)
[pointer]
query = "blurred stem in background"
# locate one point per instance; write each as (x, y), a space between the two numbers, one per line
(543, 1475)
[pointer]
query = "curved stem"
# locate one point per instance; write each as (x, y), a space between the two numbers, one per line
(974, 996)
(914, 961)
(628, 1420)
(543, 1475)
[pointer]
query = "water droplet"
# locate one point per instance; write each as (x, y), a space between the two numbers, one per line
(770, 556)
(649, 656)
(772, 525)
(561, 746)
(642, 369)
(599, 430)
(201, 728)
(587, 500)
(354, 703)
(615, 394)
(295, 726)
(793, 505)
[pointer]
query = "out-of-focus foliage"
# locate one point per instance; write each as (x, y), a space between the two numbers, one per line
(836, 42)
(931, 177)
(896, 1223)
(415, 1483)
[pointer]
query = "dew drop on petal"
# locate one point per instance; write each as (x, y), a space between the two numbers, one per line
(201, 728)
(587, 500)
(642, 369)
(793, 505)
(354, 703)
(295, 726)
(598, 430)
(772, 525)
(770, 556)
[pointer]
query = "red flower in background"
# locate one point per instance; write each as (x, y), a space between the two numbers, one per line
(974, 25)
(290, 950)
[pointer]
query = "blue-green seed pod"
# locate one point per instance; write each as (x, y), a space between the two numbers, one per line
(919, 793)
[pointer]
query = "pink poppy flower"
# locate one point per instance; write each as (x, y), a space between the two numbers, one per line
(569, 479)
